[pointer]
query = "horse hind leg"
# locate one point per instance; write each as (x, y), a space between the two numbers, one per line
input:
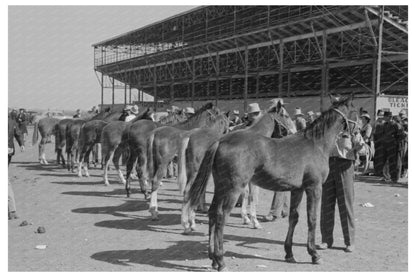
(131, 162)
(253, 198)
(107, 158)
(244, 216)
(313, 195)
(116, 161)
(223, 210)
(295, 199)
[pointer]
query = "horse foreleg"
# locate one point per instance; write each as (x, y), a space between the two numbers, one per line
(42, 151)
(253, 199)
(313, 196)
(116, 162)
(295, 199)
(157, 181)
(87, 161)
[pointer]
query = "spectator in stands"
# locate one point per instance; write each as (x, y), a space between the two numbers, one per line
(405, 148)
(317, 114)
(77, 114)
(300, 120)
(125, 113)
(93, 110)
(378, 144)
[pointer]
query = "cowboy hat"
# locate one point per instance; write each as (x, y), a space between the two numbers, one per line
(236, 112)
(135, 109)
(387, 113)
(253, 108)
(298, 111)
(189, 110)
(310, 113)
(366, 115)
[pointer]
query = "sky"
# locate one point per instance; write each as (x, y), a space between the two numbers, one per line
(51, 57)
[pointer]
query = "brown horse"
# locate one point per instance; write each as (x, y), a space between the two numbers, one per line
(73, 130)
(164, 143)
(298, 163)
(112, 147)
(46, 128)
(136, 137)
(274, 122)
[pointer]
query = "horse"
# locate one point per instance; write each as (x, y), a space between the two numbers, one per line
(73, 130)
(136, 137)
(46, 127)
(193, 150)
(112, 147)
(299, 163)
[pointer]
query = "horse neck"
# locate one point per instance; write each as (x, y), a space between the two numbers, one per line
(218, 124)
(330, 134)
(264, 126)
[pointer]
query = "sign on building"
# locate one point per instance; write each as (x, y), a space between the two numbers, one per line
(393, 103)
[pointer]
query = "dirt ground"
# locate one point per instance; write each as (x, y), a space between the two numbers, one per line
(90, 227)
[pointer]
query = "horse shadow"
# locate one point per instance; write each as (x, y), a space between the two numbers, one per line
(37, 166)
(78, 182)
(173, 257)
(115, 192)
(375, 181)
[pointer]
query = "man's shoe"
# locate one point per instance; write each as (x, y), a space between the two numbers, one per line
(270, 217)
(349, 248)
(323, 246)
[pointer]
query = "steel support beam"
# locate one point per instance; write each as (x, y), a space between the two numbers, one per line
(102, 91)
(245, 78)
(112, 90)
(324, 86)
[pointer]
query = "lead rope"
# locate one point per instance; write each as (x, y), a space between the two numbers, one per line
(347, 120)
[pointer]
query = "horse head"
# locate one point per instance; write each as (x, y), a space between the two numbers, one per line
(344, 107)
(282, 119)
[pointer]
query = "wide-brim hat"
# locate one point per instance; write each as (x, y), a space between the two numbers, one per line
(387, 113)
(236, 112)
(366, 115)
(298, 111)
(253, 108)
(189, 110)
(135, 109)
(310, 113)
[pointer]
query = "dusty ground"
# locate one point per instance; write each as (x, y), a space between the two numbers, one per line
(90, 227)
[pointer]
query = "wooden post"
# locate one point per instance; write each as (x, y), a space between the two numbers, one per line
(380, 49)
(231, 87)
(245, 77)
(154, 89)
(281, 68)
(129, 94)
(102, 91)
(112, 90)
(125, 94)
(324, 80)
(193, 81)
(217, 84)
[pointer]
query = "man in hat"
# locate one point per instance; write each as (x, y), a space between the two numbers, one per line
(378, 145)
(132, 113)
(77, 114)
(21, 120)
(391, 138)
(125, 113)
(236, 118)
(300, 120)
(189, 111)
(403, 114)
(310, 117)
(366, 128)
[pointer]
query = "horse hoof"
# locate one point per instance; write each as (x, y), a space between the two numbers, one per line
(87, 175)
(80, 175)
(106, 184)
(193, 228)
(222, 269)
(187, 231)
(290, 260)
(316, 260)
(246, 220)
(257, 225)
(214, 266)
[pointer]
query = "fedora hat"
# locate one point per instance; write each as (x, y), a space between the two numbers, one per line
(135, 109)
(298, 111)
(253, 108)
(366, 115)
(387, 113)
(189, 110)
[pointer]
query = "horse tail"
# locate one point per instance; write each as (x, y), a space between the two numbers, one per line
(197, 188)
(182, 164)
(35, 135)
(150, 161)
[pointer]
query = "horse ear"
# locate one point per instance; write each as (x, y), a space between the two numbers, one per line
(331, 98)
(279, 106)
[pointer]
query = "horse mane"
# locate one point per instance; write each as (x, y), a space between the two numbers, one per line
(143, 115)
(316, 130)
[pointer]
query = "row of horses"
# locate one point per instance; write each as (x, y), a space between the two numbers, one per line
(268, 154)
